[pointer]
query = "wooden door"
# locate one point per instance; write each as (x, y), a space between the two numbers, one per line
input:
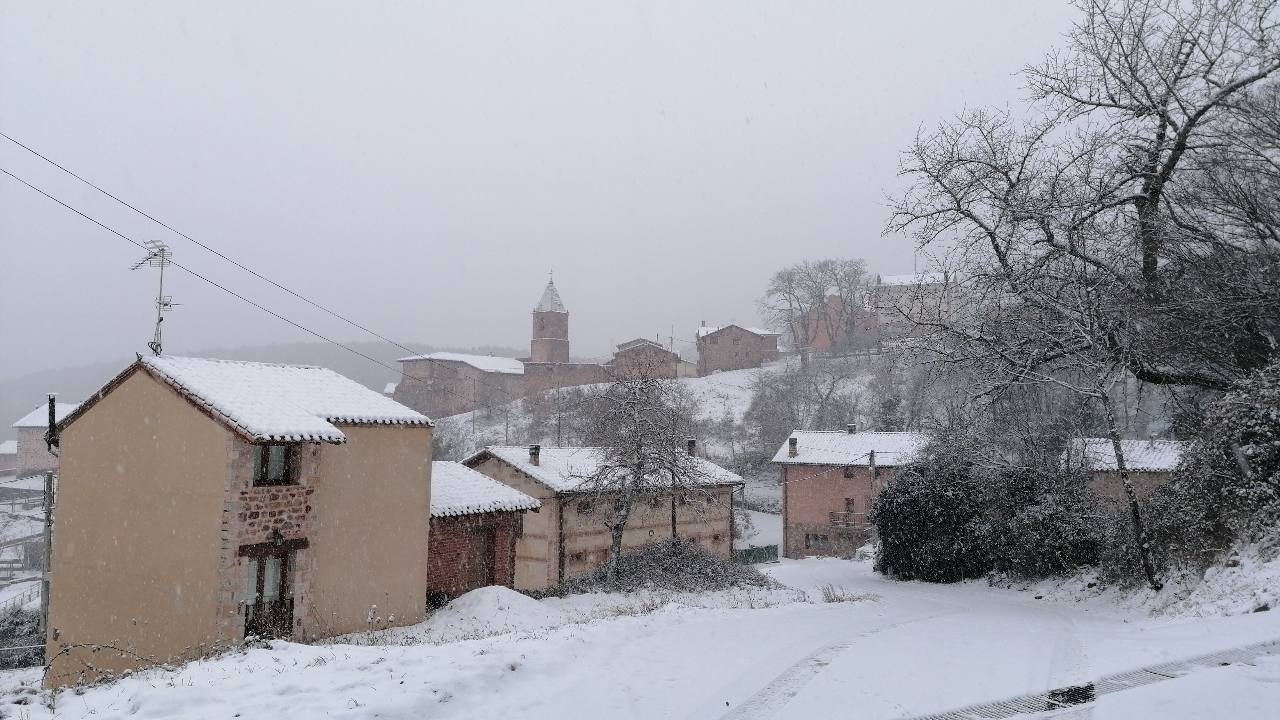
(480, 558)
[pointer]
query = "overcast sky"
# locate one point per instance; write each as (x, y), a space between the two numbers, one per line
(421, 167)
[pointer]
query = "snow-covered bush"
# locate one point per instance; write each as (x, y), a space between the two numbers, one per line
(20, 627)
(931, 519)
(671, 564)
(1227, 488)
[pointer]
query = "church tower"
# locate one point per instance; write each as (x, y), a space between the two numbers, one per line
(550, 328)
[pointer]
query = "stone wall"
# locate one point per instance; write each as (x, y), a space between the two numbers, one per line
(645, 361)
(550, 338)
(464, 547)
(439, 388)
(539, 377)
(734, 348)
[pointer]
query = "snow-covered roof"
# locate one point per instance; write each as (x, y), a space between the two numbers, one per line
(550, 301)
(484, 363)
(1139, 455)
(458, 490)
(564, 469)
(706, 330)
(924, 278)
(389, 389)
(291, 403)
(9, 447)
(638, 342)
(40, 416)
(821, 447)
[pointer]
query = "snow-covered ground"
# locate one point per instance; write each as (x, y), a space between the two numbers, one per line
(766, 529)
(891, 650)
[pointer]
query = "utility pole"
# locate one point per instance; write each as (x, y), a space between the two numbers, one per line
(158, 256)
(51, 441)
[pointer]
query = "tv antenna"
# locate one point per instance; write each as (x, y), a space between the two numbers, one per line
(158, 256)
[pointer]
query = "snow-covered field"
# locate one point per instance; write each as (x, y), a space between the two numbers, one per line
(892, 650)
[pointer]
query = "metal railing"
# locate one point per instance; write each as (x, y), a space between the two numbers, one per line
(21, 599)
(848, 519)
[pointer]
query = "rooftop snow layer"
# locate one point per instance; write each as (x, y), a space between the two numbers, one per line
(485, 363)
(926, 278)
(1139, 455)
(565, 469)
(821, 447)
(9, 447)
(706, 330)
(550, 301)
(294, 403)
(458, 490)
(40, 416)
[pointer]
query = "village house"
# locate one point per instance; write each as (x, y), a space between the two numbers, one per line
(32, 451)
(830, 480)
(449, 383)
(475, 523)
(202, 501)
(733, 347)
(1150, 464)
(900, 302)
(644, 358)
(566, 537)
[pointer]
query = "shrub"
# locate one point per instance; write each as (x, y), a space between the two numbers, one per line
(670, 564)
(20, 627)
(930, 519)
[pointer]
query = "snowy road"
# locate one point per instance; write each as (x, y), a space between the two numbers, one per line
(913, 650)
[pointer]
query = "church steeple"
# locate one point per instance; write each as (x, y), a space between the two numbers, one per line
(550, 342)
(550, 301)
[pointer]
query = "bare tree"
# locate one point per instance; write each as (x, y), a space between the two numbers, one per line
(814, 299)
(642, 427)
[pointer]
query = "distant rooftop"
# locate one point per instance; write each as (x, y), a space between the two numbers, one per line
(706, 330)
(9, 447)
(924, 278)
(1139, 455)
(485, 363)
(39, 417)
(267, 401)
(458, 490)
(565, 469)
(820, 447)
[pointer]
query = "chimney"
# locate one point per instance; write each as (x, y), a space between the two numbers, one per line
(535, 454)
(704, 323)
(872, 463)
(851, 428)
(792, 450)
(692, 445)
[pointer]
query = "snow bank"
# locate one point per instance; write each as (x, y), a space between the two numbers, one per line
(489, 611)
(1248, 581)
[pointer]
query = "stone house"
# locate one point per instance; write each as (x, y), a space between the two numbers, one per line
(645, 358)
(1150, 464)
(566, 537)
(33, 453)
(449, 383)
(830, 480)
(475, 523)
(900, 301)
(733, 347)
(201, 501)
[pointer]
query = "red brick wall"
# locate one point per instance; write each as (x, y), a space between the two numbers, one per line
(455, 546)
(812, 492)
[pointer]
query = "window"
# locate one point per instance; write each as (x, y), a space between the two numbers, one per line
(584, 507)
(850, 505)
(736, 341)
(817, 542)
(850, 471)
(274, 465)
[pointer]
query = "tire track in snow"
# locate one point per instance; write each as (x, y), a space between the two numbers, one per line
(768, 700)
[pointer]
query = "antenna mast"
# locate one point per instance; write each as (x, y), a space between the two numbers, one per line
(158, 256)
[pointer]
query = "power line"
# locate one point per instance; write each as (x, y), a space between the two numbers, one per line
(234, 262)
(227, 290)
